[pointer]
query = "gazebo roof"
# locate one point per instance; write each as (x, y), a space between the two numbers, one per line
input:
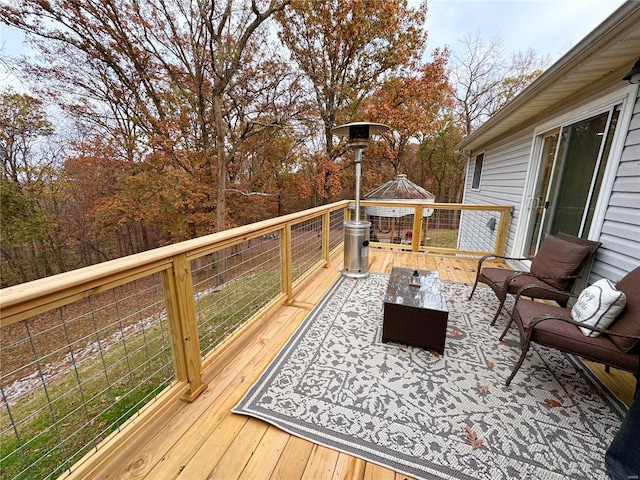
(400, 188)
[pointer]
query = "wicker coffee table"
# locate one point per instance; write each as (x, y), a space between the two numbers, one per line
(415, 315)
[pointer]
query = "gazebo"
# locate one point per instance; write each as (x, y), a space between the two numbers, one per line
(392, 221)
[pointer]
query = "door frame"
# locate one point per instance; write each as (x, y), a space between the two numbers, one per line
(626, 97)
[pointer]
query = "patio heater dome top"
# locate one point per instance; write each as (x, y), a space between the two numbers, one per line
(374, 128)
(358, 133)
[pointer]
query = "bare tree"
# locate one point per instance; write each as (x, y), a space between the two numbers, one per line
(484, 78)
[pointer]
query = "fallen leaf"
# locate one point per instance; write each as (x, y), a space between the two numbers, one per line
(505, 343)
(455, 333)
(483, 388)
(552, 403)
(472, 438)
(491, 365)
(434, 353)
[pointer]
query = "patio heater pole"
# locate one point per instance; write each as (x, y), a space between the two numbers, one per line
(356, 233)
(358, 162)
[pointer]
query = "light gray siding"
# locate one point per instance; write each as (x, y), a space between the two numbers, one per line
(502, 182)
(620, 236)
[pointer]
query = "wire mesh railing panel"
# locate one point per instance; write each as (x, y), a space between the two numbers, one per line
(306, 246)
(73, 375)
(441, 229)
(478, 230)
(233, 284)
(336, 228)
(391, 229)
(471, 230)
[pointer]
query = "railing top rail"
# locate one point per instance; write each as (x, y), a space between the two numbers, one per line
(90, 279)
(442, 206)
(93, 276)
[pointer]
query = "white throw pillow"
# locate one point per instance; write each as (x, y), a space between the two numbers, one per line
(598, 306)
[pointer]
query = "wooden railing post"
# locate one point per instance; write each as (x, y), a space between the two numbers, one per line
(326, 230)
(503, 228)
(347, 213)
(182, 315)
(417, 228)
(286, 262)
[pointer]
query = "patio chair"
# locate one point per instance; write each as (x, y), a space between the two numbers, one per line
(561, 259)
(617, 346)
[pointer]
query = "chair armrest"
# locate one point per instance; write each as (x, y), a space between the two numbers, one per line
(550, 316)
(487, 257)
(541, 286)
(542, 278)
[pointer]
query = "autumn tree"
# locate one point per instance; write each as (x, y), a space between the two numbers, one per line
(441, 168)
(24, 177)
(412, 105)
(345, 49)
(156, 75)
(484, 78)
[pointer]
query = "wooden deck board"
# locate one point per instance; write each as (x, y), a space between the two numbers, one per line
(294, 459)
(239, 452)
(322, 464)
(349, 467)
(204, 439)
(265, 458)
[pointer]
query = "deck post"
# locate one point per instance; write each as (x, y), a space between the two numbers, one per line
(286, 263)
(503, 227)
(347, 213)
(326, 230)
(417, 228)
(182, 313)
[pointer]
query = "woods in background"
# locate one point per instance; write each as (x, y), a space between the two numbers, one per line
(154, 121)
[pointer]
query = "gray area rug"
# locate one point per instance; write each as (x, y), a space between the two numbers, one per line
(435, 416)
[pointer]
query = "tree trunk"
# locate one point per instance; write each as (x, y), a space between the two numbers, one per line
(222, 163)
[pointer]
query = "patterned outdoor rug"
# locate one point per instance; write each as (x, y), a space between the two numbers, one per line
(432, 416)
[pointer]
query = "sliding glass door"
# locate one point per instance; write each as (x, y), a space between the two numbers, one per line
(572, 164)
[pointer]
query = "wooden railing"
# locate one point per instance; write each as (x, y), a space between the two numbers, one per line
(151, 321)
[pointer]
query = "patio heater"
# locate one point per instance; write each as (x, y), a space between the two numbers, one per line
(356, 232)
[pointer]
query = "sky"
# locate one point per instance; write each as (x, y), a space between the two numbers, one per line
(548, 26)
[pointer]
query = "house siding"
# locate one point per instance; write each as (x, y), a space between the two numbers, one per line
(503, 180)
(620, 235)
(502, 183)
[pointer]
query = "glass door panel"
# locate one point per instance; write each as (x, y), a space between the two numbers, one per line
(570, 177)
(578, 154)
(549, 147)
(600, 169)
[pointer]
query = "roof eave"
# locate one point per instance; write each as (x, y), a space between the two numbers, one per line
(619, 21)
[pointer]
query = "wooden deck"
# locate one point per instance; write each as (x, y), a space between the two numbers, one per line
(204, 440)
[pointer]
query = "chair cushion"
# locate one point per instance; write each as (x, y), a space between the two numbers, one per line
(629, 320)
(567, 337)
(495, 277)
(598, 306)
(559, 258)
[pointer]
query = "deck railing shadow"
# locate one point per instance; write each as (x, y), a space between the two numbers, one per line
(84, 353)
